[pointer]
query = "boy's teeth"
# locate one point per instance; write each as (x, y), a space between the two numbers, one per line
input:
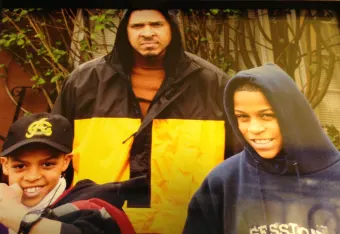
(32, 190)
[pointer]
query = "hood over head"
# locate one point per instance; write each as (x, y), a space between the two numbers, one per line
(305, 143)
(122, 52)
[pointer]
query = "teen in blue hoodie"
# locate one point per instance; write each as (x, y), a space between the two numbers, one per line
(286, 180)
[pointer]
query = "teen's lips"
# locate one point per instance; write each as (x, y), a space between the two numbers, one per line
(263, 143)
(32, 191)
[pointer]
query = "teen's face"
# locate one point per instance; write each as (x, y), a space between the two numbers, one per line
(148, 32)
(258, 123)
(36, 172)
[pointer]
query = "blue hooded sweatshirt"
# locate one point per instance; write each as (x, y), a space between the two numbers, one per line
(297, 192)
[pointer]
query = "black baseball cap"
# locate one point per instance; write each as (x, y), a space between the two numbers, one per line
(50, 129)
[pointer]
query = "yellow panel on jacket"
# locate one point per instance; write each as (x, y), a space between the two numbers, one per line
(182, 154)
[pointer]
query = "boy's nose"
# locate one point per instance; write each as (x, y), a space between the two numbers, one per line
(32, 175)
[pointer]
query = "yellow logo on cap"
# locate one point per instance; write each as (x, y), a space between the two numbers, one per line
(38, 128)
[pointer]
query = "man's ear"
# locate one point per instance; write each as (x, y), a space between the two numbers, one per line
(67, 160)
(4, 163)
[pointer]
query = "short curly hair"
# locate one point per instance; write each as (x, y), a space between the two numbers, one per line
(247, 86)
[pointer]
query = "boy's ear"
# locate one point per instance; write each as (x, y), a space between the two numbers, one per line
(4, 163)
(67, 160)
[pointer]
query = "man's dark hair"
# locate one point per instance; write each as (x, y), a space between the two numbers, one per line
(124, 50)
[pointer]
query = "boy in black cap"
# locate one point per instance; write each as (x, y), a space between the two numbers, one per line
(35, 156)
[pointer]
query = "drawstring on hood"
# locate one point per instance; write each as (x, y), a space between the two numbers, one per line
(262, 194)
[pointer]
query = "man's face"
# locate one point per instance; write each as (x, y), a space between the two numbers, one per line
(36, 172)
(148, 32)
(258, 123)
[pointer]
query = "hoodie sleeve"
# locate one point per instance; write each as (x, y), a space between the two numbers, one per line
(203, 212)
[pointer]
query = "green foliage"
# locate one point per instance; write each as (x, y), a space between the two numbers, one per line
(203, 35)
(41, 41)
(27, 113)
(29, 38)
(333, 134)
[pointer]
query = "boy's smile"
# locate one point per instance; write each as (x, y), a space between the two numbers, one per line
(37, 171)
(31, 192)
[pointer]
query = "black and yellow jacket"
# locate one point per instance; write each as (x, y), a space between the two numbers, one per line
(182, 137)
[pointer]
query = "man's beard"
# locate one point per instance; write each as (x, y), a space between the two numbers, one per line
(151, 55)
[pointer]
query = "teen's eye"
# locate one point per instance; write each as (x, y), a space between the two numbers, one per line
(241, 116)
(268, 116)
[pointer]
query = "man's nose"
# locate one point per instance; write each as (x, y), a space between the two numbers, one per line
(147, 31)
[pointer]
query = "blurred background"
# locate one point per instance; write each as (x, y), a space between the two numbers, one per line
(40, 47)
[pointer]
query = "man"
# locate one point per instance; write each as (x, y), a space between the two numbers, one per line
(148, 108)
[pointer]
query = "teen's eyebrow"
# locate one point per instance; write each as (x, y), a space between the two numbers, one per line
(239, 111)
(269, 109)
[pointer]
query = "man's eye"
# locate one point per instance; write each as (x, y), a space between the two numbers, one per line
(136, 26)
(157, 25)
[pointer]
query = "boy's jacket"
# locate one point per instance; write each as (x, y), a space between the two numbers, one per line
(89, 208)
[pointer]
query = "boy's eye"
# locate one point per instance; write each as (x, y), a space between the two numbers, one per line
(18, 166)
(49, 164)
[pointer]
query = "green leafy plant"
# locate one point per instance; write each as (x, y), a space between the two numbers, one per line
(333, 134)
(45, 42)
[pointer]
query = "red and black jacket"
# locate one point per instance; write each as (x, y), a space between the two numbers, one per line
(89, 208)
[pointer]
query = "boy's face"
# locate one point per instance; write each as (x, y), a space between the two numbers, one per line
(36, 171)
(258, 123)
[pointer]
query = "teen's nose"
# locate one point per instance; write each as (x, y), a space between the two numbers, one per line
(256, 127)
